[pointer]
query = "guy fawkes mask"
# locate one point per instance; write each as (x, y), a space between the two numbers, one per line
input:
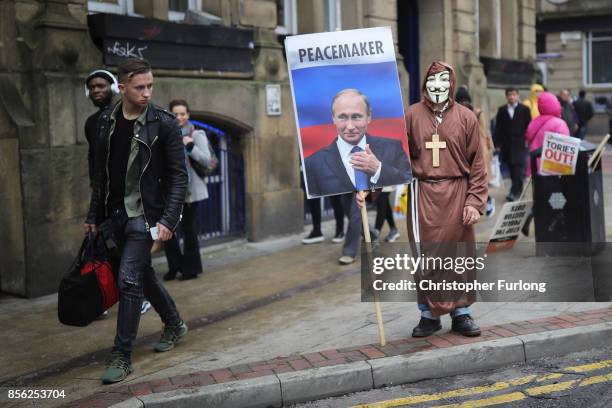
(438, 86)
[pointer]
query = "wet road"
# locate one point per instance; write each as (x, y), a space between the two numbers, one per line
(581, 379)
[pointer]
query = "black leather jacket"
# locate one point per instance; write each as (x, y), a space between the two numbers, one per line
(162, 172)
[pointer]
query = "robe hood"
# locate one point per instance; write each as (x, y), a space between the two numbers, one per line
(434, 68)
(463, 94)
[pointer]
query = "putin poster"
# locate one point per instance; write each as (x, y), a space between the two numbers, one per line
(349, 110)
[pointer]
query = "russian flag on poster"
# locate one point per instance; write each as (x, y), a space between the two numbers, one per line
(322, 66)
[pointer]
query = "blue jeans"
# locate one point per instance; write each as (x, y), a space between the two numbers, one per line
(425, 312)
(136, 280)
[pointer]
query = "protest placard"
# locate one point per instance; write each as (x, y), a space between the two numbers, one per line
(508, 225)
(559, 154)
(348, 102)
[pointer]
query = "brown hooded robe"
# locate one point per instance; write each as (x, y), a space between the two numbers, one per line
(441, 193)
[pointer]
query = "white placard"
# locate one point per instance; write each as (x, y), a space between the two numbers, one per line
(508, 226)
(336, 67)
(559, 154)
(362, 46)
(273, 100)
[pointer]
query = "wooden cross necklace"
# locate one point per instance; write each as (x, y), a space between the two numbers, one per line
(435, 145)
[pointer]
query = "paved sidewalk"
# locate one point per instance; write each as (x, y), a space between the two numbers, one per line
(337, 357)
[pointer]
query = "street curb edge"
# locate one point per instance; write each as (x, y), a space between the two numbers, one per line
(306, 385)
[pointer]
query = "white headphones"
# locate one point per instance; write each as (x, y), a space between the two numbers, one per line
(114, 85)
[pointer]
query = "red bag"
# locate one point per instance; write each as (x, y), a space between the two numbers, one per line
(106, 281)
(89, 287)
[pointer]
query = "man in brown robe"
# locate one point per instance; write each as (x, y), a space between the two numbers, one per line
(447, 197)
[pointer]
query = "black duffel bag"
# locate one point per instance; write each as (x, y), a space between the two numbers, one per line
(89, 287)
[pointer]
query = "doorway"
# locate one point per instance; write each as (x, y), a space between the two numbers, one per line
(223, 214)
(408, 43)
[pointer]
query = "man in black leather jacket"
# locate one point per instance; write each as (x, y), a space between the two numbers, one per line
(140, 182)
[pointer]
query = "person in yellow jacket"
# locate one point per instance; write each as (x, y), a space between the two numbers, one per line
(532, 102)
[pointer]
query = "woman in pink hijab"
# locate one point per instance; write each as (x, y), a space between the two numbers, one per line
(548, 121)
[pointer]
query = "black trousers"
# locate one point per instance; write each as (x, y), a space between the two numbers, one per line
(314, 207)
(384, 211)
(517, 170)
(189, 262)
(336, 203)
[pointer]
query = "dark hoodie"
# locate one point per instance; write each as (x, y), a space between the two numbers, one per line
(463, 97)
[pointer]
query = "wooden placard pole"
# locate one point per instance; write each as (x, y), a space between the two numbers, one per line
(598, 151)
(527, 184)
(598, 159)
(366, 234)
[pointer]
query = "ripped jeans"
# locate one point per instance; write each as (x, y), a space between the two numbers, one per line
(136, 280)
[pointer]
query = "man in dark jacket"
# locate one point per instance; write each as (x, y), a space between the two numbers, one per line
(584, 112)
(100, 86)
(568, 114)
(510, 126)
(140, 182)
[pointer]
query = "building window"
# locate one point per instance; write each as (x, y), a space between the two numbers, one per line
(598, 58)
(286, 16)
(108, 6)
(178, 8)
(113, 6)
(540, 43)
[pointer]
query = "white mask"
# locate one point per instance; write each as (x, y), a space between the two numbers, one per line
(438, 86)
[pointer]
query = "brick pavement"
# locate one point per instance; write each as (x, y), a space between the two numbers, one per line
(297, 362)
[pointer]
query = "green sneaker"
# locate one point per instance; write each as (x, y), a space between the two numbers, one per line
(170, 336)
(118, 368)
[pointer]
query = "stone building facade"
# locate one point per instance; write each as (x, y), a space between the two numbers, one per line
(491, 43)
(47, 48)
(575, 50)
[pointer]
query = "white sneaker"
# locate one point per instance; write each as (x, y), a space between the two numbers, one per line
(103, 316)
(338, 239)
(146, 305)
(345, 259)
(313, 238)
(392, 236)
